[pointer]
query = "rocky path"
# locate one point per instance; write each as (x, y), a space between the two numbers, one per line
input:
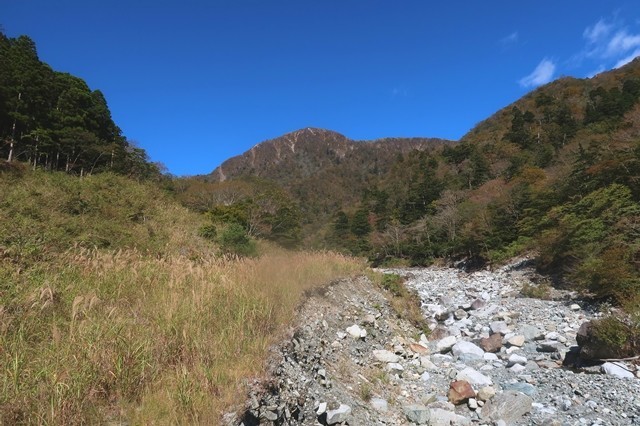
(492, 358)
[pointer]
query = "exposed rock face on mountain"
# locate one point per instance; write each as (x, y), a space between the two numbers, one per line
(352, 361)
(307, 152)
(323, 170)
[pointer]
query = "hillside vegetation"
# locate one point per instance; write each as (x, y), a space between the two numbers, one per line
(118, 304)
(53, 120)
(113, 307)
(556, 174)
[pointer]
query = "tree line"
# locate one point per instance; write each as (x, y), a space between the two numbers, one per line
(53, 120)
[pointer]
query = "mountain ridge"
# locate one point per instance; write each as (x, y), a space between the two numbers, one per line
(260, 159)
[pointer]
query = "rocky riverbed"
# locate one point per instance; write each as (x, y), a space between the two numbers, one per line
(493, 357)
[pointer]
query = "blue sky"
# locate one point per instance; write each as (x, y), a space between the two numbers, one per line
(196, 82)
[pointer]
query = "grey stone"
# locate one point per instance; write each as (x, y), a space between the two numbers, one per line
(417, 413)
(531, 332)
(338, 415)
(525, 388)
(478, 304)
(516, 359)
(499, 327)
(270, 415)
(394, 368)
(444, 345)
(486, 393)
(440, 417)
(548, 346)
(380, 404)
(383, 355)
(517, 340)
(322, 408)
(509, 406)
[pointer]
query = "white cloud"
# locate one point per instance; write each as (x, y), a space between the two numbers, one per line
(609, 43)
(541, 75)
(510, 39)
(598, 31)
(621, 43)
(597, 71)
(627, 59)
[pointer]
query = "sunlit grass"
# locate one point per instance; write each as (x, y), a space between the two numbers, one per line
(147, 339)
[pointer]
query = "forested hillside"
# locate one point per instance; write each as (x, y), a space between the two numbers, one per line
(53, 120)
(556, 174)
(111, 292)
(320, 169)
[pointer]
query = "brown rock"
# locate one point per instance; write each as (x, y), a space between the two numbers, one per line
(460, 391)
(438, 333)
(419, 349)
(492, 343)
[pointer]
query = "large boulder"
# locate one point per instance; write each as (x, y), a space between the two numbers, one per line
(592, 347)
(460, 391)
(492, 343)
(509, 406)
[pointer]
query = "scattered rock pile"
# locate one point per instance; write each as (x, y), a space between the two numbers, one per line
(491, 358)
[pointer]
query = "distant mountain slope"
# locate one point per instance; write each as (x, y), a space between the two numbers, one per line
(548, 123)
(322, 169)
(303, 153)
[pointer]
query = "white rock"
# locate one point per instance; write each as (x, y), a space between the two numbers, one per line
(341, 335)
(394, 368)
(552, 335)
(322, 408)
(356, 332)
(575, 307)
(499, 327)
(486, 393)
(516, 359)
(616, 369)
(383, 355)
(488, 356)
(474, 377)
(516, 340)
(466, 348)
(473, 403)
(338, 415)
(379, 404)
(440, 417)
(517, 368)
(426, 363)
(444, 345)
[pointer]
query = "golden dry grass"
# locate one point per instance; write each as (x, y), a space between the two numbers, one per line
(147, 339)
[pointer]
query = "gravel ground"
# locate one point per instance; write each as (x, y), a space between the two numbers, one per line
(351, 360)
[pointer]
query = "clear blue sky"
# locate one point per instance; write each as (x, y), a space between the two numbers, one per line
(195, 82)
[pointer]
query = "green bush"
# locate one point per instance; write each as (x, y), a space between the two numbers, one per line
(622, 336)
(234, 240)
(208, 231)
(393, 284)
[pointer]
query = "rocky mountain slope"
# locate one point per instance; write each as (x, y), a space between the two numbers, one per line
(323, 170)
(493, 358)
(308, 152)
